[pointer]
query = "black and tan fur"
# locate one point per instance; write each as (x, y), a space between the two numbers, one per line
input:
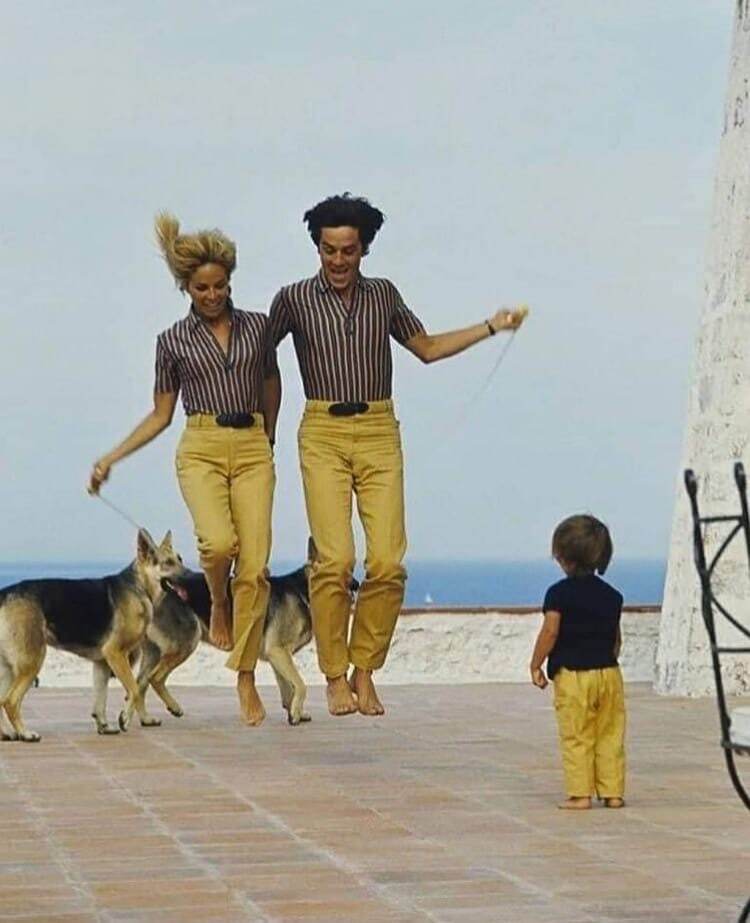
(180, 624)
(103, 620)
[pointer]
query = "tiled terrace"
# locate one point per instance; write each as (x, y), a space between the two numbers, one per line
(442, 811)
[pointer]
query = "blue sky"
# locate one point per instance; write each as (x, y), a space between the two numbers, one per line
(557, 154)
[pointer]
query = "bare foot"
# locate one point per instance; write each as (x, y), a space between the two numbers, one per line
(363, 688)
(614, 802)
(339, 695)
(251, 707)
(575, 804)
(220, 627)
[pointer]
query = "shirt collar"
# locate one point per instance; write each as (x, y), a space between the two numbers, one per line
(323, 285)
(196, 320)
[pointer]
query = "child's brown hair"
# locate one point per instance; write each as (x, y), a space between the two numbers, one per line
(583, 544)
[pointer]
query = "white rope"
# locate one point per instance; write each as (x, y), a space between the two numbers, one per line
(119, 511)
(470, 402)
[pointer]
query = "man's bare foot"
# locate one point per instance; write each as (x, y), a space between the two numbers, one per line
(575, 804)
(251, 707)
(220, 627)
(363, 688)
(615, 802)
(339, 695)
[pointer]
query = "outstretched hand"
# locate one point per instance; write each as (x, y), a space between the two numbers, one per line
(99, 474)
(509, 318)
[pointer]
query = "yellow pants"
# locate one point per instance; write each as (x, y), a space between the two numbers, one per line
(341, 457)
(590, 707)
(227, 479)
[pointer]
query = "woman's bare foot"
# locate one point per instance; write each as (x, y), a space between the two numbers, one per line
(575, 804)
(339, 695)
(220, 627)
(251, 707)
(362, 686)
(614, 802)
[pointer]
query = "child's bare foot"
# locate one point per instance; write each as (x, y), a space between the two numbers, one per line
(220, 627)
(339, 695)
(363, 688)
(251, 707)
(614, 802)
(575, 804)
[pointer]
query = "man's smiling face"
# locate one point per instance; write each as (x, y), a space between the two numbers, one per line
(340, 252)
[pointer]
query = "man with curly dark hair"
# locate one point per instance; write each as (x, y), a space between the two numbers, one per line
(349, 440)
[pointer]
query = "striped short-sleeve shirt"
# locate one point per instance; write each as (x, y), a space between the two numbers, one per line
(344, 353)
(190, 360)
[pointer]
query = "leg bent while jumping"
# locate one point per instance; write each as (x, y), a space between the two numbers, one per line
(203, 473)
(252, 482)
(328, 481)
(379, 486)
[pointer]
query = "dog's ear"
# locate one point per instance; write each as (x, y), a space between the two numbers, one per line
(166, 542)
(145, 545)
(312, 551)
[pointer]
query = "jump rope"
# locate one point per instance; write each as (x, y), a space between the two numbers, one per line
(468, 404)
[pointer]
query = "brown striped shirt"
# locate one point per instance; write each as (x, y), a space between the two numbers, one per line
(189, 359)
(344, 354)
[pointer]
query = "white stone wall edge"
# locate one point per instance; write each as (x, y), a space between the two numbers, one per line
(457, 645)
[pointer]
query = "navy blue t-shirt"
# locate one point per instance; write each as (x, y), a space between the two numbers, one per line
(590, 616)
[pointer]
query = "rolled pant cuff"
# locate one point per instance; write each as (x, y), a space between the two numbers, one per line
(241, 664)
(334, 672)
(365, 663)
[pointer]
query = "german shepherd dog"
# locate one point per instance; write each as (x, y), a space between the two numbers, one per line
(181, 620)
(103, 620)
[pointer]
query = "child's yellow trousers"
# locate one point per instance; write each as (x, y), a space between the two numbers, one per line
(590, 708)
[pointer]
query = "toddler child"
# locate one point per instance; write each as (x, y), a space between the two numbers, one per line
(580, 640)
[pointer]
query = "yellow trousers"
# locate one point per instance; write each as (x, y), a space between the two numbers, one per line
(342, 457)
(227, 479)
(590, 708)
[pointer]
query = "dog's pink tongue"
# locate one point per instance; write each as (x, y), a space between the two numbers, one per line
(180, 591)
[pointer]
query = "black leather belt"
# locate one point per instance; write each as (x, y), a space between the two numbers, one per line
(235, 420)
(348, 408)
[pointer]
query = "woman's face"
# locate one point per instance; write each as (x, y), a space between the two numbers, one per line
(209, 289)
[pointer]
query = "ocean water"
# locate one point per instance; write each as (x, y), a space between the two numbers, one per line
(439, 583)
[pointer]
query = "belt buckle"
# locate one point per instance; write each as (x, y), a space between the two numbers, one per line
(235, 420)
(348, 408)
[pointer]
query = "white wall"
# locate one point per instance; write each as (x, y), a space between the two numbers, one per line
(429, 646)
(718, 424)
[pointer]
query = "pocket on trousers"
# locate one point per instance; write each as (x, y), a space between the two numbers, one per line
(199, 445)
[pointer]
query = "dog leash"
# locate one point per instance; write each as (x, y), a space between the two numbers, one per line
(493, 371)
(465, 408)
(119, 512)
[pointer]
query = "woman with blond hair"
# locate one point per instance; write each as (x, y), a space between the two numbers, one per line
(215, 357)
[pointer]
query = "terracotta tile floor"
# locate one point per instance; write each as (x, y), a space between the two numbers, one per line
(442, 811)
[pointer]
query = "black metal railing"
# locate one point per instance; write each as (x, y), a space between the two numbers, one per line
(711, 606)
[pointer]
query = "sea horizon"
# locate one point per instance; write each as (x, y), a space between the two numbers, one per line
(438, 582)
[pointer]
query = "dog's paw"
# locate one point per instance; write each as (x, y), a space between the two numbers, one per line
(30, 737)
(304, 717)
(123, 720)
(177, 712)
(104, 728)
(8, 735)
(297, 718)
(150, 722)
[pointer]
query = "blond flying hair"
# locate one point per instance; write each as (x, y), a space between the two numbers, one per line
(184, 253)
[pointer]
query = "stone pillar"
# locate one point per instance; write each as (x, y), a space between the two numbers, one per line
(718, 424)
